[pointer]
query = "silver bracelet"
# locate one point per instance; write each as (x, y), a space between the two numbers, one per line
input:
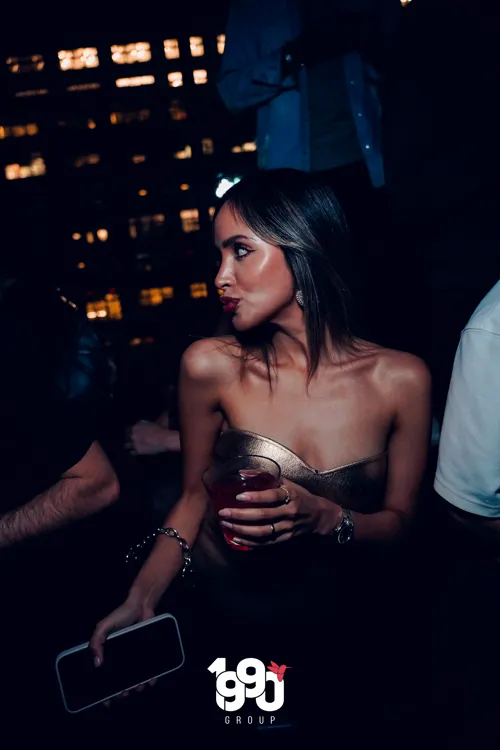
(186, 549)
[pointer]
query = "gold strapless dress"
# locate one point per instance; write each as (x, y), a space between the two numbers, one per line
(298, 577)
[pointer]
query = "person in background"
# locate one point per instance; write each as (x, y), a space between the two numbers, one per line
(53, 417)
(301, 67)
(158, 444)
(309, 69)
(147, 438)
(468, 484)
(54, 477)
(442, 167)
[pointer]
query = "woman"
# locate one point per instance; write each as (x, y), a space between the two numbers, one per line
(347, 421)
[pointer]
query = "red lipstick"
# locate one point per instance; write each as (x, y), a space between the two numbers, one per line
(229, 304)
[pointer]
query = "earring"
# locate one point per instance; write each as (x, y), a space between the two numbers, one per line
(299, 297)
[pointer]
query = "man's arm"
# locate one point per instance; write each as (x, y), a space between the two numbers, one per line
(468, 472)
(86, 488)
(247, 77)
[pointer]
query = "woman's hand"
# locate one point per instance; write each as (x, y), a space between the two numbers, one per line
(280, 514)
(129, 613)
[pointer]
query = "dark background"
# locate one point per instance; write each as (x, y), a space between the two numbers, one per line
(42, 213)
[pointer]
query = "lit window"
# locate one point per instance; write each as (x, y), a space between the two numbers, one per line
(139, 158)
(77, 59)
(175, 79)
(221, 43)
(84, 87)
(17, 131)
(207, 146)
(29, 64)
(171, 47)
(184, 186)
(131, 53)
(156, 220)
(198, 290)
(153, 297)
(186, 153)
(123, 83)
(32, 92)
(76, 236)
(211, 211)
(246, 147)
(102, 235)
(177, 111)
(90, 238)
(81, 266)
(190, 219)
(147, 224)
(81, 161)
(142, 192)
(109, 307)
(196, 46)
(114, 306)
(91, 124)
(125, 118)
(35, 168)
(200, 76)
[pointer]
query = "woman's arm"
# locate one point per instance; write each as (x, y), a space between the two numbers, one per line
(409, 388)
(405, 385)
(199, 389)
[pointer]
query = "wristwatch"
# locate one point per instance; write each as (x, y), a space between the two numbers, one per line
(344, 531)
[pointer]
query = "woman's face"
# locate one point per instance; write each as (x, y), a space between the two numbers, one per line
(254, 277)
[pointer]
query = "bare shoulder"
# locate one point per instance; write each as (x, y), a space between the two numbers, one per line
(404, 374)
(210, 359)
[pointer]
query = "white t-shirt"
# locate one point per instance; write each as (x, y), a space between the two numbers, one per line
(468, 471)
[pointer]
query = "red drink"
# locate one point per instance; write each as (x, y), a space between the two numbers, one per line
(242, 474)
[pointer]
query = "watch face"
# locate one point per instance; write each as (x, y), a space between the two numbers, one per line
(345, 533)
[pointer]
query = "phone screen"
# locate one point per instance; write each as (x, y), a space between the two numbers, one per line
(131, 656)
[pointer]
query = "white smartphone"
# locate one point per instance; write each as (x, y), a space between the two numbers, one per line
(132, 656)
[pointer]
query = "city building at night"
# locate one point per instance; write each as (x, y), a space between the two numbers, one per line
(113, 149)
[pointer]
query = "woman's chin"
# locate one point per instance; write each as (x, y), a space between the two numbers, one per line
(240, 324)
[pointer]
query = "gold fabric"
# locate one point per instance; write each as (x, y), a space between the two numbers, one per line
(358, 486)
(286, 579)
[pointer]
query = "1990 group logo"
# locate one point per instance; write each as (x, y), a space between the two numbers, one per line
(249, 680)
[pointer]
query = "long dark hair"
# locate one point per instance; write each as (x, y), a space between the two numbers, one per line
(300, 214)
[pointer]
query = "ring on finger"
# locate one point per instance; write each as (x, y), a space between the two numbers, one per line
(287, 498)
(273, 530)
